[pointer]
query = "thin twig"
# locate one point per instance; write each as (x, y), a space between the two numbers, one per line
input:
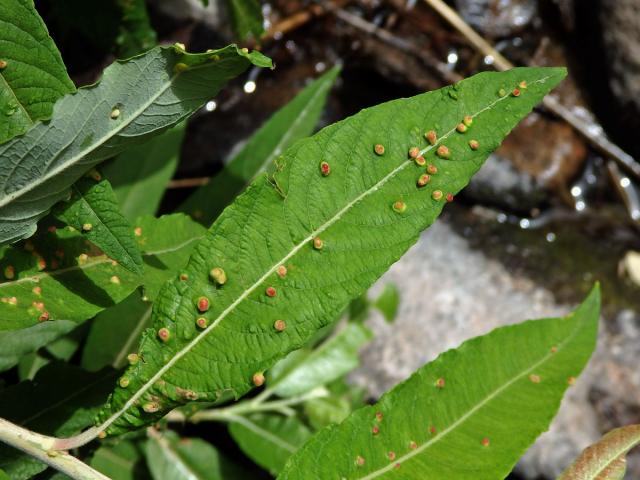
(599, 141)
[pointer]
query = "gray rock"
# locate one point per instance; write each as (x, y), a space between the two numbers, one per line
(497, 18)
(450, 293)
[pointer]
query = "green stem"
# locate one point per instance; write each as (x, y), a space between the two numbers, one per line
(41, 447)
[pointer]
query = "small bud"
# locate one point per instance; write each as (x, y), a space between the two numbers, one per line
(485, 442)
(318, 243)
(420, 161)
(133, 358)
(3, 64)
(443, 151)
(325, 168)
(180, 67)
(201, 322)
(436, 195)
(516, 92)
(432, 169)
(280, 325)
(123, 382)
(423, 180)
(431, 137)
(151, 407)
(270, 292)
(461, 128)
(399, 206)
(203, 304)
(87, 227)
(414, 152)
(9, 272)
(473, 144)
(449, 197)
(115, 113)
(258, 379)
(379, 149)
(282, 271)
(115, 279)
(218, 275)
(137, 231)
(164, 334)
(359, 461)
(440, 383)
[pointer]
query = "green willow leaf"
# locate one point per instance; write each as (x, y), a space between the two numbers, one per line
(469, 414)
(32, 74)
(606, 459)
(140, 175)
(122, 461)
(336, 357)
(292, 122)
(93, 210)
(388, 301)
(116, 332)
(62, 399)
(366, 213)
(136, 34)
(171, 458)
(269, 439)
(135, 100)
(246, 18)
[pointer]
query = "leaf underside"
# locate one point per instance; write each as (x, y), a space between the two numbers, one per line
(34, 76)
(469, 414)
(135, 100)
(606, 459)
(273, 223)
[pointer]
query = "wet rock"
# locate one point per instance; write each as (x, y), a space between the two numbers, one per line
(497, 18)
(452, 291)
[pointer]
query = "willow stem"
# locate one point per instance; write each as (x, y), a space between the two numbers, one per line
(42, 448)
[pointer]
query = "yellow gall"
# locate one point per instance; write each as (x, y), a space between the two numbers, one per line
(44, 316)
(571, 380)
(399, 206)
(437, 195)
(115, 279)
(423, 180)
(378, 149)
(282, 271)
(280, 325)
(164, 334)
(38, 305)
(137, 231)
(392, 456)
(258, 379)
(201, 322)
(523, 84)
(414, 152)
(133, 358)
(86, 227)
(318, 243)
(379, 416)
(440, 383)
(3, 64)
(123, 382)
(420, 161)
(151, 407)
(245, 50)
(102, 435)
(218, 275)
(467, 120)
(180, 46)
(37, 290)
(359, 461)
(461, 128)
(443, 151)
(180, 67)
(474, 144)
(432, 169)
(534, 378)
(554, 349)
(413, 445)
(431, 136)
(9, 272)
(115, 113)
(82, 258)
(183, 277)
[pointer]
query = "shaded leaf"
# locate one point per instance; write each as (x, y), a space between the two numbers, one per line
(139, 176)
(172, 458)
(136, 34)
(62, 401)
(274, 224)
(34, 76)
(135, 100)
(388, 301)
(606, 459)
(326, 410)
(268, 439)
(292, 122)
(122, 461)
(469, 414)
(246, 17)
(334, 358)
(93, 210)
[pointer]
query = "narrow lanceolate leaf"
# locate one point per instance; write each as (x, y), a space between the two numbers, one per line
(171, 458)
(122, 461)
(93, 210)
(116, 332)
(294, 121)
(300, 245)
(62, 399)
(605, 460)
(246, 18)
(469, 414)
(135, 100)
(310, 369)
(269, 439)
(32, 74)
(139, 176)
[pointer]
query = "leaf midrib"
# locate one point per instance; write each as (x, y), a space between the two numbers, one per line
(185, 350)
(74, 159)
(173, 455)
